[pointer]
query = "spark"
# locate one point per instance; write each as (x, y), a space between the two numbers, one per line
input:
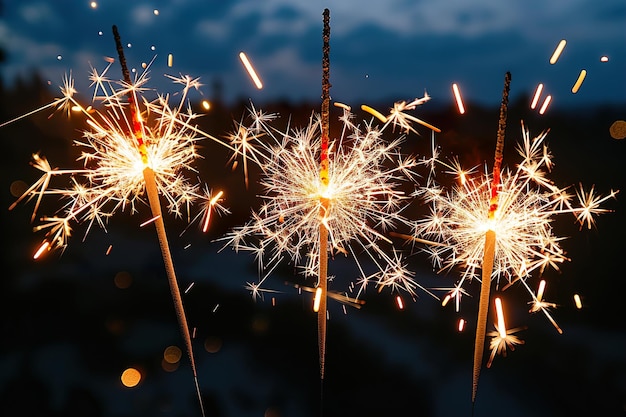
(342, 106)
(212, 202)
(457, 97)
(251, 72)
(604, 58)
(337, 296)
(170, 60)
(398, 116)
(399, 302)
(578, 302)
(151, 220)
(502, 338)
(374, 113)
(538, 304)
(545, 105)
(461, 325)
(44, 246)
(317, 299)
(557, 52)
(579, 81)
(536, 96)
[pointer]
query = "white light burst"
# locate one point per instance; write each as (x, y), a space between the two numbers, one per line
(363, 200)
(115, 152)
(528, 203)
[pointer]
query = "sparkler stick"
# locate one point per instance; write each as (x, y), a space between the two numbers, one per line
(323, 246)
(490, 243)
(155, 207)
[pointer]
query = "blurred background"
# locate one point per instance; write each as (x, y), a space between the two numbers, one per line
(73, 322)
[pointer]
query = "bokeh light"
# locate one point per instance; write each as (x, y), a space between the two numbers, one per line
(130, 377)
(212, 344)
(172, 354)
(123, 280)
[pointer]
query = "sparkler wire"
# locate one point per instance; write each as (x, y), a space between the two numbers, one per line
(155, 208)
(323, 248)
(490, 243)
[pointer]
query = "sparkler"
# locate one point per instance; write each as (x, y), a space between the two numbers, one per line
(322, 282)
(125, 158)
(325, 197)
(500, 224)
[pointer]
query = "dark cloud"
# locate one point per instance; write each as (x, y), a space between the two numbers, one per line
(378, 51)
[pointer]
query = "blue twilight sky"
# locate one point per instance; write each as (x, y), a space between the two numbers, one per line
(380, 50)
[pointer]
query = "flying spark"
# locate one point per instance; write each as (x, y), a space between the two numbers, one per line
(457, 97)
(578, 302)
(528, 203)
(253, 74)
(536, 96)
(545, 105)
(557, 52)
(579, 81)
(502, 338)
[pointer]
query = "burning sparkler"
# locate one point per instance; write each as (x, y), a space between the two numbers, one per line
(361, 200)
(327, 196)
(127, 154)
(500, 224)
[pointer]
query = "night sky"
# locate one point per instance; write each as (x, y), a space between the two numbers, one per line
(380, 50)
(73, 321)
